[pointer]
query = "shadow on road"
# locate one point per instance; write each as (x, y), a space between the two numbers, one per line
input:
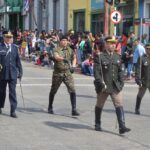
(31, 109)
(126, 112)
(131, 112)
(66, 126)
(86, 96)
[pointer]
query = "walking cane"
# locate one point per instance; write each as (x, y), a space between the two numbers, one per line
(22, 93)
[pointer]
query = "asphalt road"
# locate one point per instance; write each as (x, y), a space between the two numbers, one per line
(35, 129)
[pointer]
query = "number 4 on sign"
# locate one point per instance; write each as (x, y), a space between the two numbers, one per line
(115, 17)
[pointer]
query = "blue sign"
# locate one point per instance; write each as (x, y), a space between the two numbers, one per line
(97, 4)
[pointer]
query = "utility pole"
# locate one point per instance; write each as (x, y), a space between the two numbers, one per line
(106, 21)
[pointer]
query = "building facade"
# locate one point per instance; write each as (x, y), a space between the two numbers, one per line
(46, 15)
(32, 14)
(86, 15)
(79, 15)
(97, 16)
(146, 14)
(11, 14)
(2, 11)
(129, 11)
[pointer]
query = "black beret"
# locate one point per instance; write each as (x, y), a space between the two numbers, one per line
(64, 38)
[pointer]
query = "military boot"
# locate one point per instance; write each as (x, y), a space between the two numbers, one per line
(121, 120)
(50, 106)
(73, 104)
(137, 106)
(98, 112)
(13, 113)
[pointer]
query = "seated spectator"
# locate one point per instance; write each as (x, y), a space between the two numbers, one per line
(45, 60)
(87, 65)
(37, 60)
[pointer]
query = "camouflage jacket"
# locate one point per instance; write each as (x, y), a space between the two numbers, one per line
(61, 66)
(111, 70)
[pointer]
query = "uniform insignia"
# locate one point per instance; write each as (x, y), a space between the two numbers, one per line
(146, 63)
(2, 51)
(118, 61)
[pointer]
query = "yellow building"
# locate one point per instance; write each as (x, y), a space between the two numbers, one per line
(91, 15)
(79, 15)
(86, 15)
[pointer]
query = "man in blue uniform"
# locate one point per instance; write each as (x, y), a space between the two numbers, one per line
(10, 69)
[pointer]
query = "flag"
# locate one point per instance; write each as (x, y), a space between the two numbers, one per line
(26, 5)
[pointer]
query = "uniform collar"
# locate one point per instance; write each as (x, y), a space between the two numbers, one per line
(65, 48)
(109, 53)
(7, 44)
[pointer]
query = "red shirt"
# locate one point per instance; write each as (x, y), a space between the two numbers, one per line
(124, 41)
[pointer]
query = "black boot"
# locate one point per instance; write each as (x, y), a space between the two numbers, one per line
(0, 110)
(12, 113)
(50, 106)
(121, 120)
(73, 103)
(137, 106)
(98, 112)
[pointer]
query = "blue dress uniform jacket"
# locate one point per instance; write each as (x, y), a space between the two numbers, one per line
(11, 69)
(10, 62)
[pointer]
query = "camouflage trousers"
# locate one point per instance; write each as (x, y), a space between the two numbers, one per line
(66, 78)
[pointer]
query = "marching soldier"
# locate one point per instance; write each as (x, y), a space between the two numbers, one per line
(109, 81)
(142, 77)
(63, 56)
(11, 68)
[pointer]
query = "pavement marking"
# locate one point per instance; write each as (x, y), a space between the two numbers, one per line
(79, 85)
(39, 78)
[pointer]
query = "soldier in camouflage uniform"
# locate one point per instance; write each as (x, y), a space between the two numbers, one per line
(109, 81)
(142, 77)
(63, 56)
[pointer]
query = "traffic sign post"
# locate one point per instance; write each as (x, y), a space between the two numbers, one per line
(115, 17)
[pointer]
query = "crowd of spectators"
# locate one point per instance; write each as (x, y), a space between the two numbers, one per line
(38, 47)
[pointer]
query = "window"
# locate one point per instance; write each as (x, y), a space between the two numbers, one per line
(79, 21)
(97, 23)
